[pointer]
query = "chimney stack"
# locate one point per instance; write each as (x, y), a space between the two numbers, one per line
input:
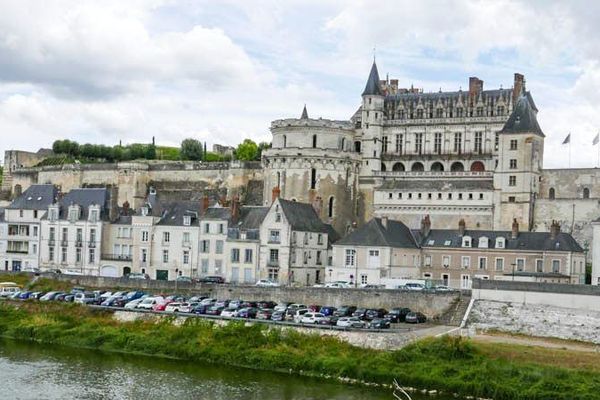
(462, 227)
(475, 86)
(425, 226)
(518, 86)
(235, 209)
(515, 229)
(223, 201)
(275, 194)
(205, 203)
(126, 207)
(384, 222)
(554, 229)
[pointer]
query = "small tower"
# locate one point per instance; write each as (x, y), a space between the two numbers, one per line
(372, 123)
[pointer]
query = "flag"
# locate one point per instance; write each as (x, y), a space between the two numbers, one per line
(596, 140)
(567, 139)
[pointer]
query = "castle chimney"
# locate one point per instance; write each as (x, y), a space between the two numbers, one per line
(554, 229)
(518, 86)
(462, 227)
(126, 207)
(113, 210)
(205, 203)
(235, 209)
(475, 86)
(384, 222)
(425, 226)
(515, 229)
(223, 200)
(275, 194)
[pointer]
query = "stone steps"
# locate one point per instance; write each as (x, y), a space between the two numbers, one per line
(456, 312)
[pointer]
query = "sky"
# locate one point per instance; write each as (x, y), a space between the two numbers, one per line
(221, 71)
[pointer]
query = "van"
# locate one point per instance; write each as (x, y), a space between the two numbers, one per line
(8, 289)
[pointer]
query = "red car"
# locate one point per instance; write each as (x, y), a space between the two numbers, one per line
(161, 306)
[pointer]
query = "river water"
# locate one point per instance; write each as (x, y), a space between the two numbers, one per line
(36, 371)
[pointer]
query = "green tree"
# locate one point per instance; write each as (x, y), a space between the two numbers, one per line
(191, 149)
(150, 153)
(247, 151)
(261, 147)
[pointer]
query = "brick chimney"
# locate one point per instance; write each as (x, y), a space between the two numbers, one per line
(475, 86)
(518, 86)
(205, 203)
(425, 226)
(384, 222)
(235, 209)
(515, 229)
(223, 201)
(554, 229)
(126, 208)
(275, 194)
(462, 227)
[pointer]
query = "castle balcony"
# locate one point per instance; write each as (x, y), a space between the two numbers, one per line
(434, 174)
(116, 257)
(427, 156)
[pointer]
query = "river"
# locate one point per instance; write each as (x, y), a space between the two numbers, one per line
(36, 371)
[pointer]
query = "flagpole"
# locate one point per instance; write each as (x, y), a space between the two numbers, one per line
(598, 164)
(569, 150)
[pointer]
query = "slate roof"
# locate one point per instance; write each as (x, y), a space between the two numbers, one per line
(452, 95)
(302, 216)
(250, 220)
(373, 233)
(85, 198)
(523, 118)
(36, 197)
(372, 87)
(332, 235)
(223, 213)
(536, 241)
(438, 185)
(173, 213)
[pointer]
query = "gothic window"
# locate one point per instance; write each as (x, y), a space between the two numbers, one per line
(420, 113)
(500, 110)
(357, 146)
(437, 143)
(418, 143)
(330, 207)
(480, 111)
(399, 139)
(313, 178)
(586, 193)
(457, 142)
(401, 114)
(343, 144)
(314, 141)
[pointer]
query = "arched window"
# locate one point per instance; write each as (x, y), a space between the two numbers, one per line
(437, 167)
(418, 167)
(477, 166)
(314, 141)
(457, 167)
(383, 168)
(284, 141)
(343, 144)
(357, 146)
(330, 207)
(398, 167)
(586, 193)
(551, 194)
(313, 178)
(279, 179)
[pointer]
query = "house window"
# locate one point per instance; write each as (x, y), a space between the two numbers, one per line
(166, 237)
(187, 220)
(466, 262)
(513, 144)
(274, 255)
(35, 214)
(520, 264)
(92, 256)
(144, 255)
(511, 199)
(94, 216)
(314, 141)
(186, 257)
(478, 142)
(384, 144)
(305, 238)
(513, 163)
(219, 248)
(221, 228)
(235, 255)
(512, 180)
(320, 239)
(35, 231)
(319, 261)
(499, 264)
(313, 178)
(165, 256)
(78, 255)
(204, 246)
(586, 193)
(418, 143)
(51, 253)
(186, 237)
(92, 235)
(551, 194)
(305, 258)
(399, 144)
(207, 228)
(63, 255)
(274, 236)
(458, 142)
(556, 266)
(437, 143)
(218, 266)
(21, 213)
(277, 217)
(330, 207)
(144, 236)
(350, 257)
(428, 261)
(273, 274)
(248, 255)
(539, 265)
(482, 262)
(204, 266)
(446, 261)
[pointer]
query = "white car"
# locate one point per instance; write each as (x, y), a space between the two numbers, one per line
(299, 313)
(266, 283)
(133, 304)
(281, 307)
(208, 301)
(442, 288)
(149, 302)
(72, 272)
(312, 318)
(188, 307)
(230, 312)
(173, 307)
(338, 285)
(414, 287)
(350, 322)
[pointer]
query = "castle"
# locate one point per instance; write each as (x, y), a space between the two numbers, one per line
(473, 155)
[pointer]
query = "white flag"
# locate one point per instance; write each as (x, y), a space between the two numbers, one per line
(567, 139)
(596, 140)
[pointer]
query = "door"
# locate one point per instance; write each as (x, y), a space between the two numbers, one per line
(445, 279)
(373, 261)
(248, 275)
(235, 275)
(16, 266)
(162, 275)
(126, 271)
(109, 271)
(465, 282)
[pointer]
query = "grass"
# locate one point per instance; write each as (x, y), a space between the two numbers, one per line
(449, 364)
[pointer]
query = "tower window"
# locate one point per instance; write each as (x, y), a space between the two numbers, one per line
(284, 141)
(314, 141)
(586, 193)
(313, 178)
(330, 208)
(551, 194)
(513, 144)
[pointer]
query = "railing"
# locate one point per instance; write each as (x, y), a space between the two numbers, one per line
(92, 244)
(64, 243)
(14, 251)
(434, 174)
(116, 257)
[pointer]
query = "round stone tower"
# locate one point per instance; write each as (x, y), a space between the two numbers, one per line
(313, 161)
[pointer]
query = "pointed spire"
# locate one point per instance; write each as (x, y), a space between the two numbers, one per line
(372, 87)
(304, 113)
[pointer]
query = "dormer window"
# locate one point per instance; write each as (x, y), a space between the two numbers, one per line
(144, 211)
(94, 215)
(466, 241)
(500, 243)
(73, 214)
(483, 242)
(53, 213)
(187, 220)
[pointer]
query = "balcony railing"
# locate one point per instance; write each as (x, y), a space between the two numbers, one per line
(434, 174)
(92, 244)
(16, 251)
(116, 257)
(273, 263)
(64, 243)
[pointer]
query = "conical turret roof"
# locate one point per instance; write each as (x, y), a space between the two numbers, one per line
(372, 87)
(304, 113)
(523, 118)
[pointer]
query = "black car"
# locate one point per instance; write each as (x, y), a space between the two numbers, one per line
(397, 314)
(201, 309)
(375, 313)
(278, 316)
(215, 310)
(266, 304)
(344, 311)
(415, 317)
(248, 312)
(212, 279)
(247, 304)
(379, 323)
(360, 313)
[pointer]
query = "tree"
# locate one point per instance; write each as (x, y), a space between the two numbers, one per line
(150, 153)
(247, 151)
(261, 147)
(191, 149)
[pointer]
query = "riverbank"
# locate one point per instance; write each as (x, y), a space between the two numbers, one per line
(448, 364)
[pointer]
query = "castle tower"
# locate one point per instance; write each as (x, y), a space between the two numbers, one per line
(372, 123)
(313, 161)
(520, 155)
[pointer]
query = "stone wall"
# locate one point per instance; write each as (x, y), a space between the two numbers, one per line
(430, 304)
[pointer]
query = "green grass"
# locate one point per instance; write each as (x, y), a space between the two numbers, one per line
(449, 364)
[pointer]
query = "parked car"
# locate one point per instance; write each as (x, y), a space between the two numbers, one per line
(137, 276)
(281, 306)
(247, 304)
(112, 301)
(327, 310)
(161, 305)
(350, 322)
(379, 323)
(215, 310)
(375, 313)
(73, 272)
(230, 312)
(222, 303)
(413, 287)
(360, 313)
(51, 295)
(130, 305)
(235, 303)
(54, 271)
(415, 317)
(24, 295)
(278, 316)
(312, 318)
(149, 302)
(173, 307)
(338, 285)
(84, 298)
(208, 301)
(184, 279)
(249, 312)
(14, 296)
(264, 313)
(397, 314)
(442, 288)
(266, 304)
(266, 283)
(8, 289)
(212, 279)
(330, 320)
(201, 308)
(371, 286)
(298, 313)
(314, 307)
(133, 295)
(344, 311)
(36, 295)
(188, 307)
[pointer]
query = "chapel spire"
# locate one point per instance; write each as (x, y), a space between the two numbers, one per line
(372, 87)
(304, 113)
